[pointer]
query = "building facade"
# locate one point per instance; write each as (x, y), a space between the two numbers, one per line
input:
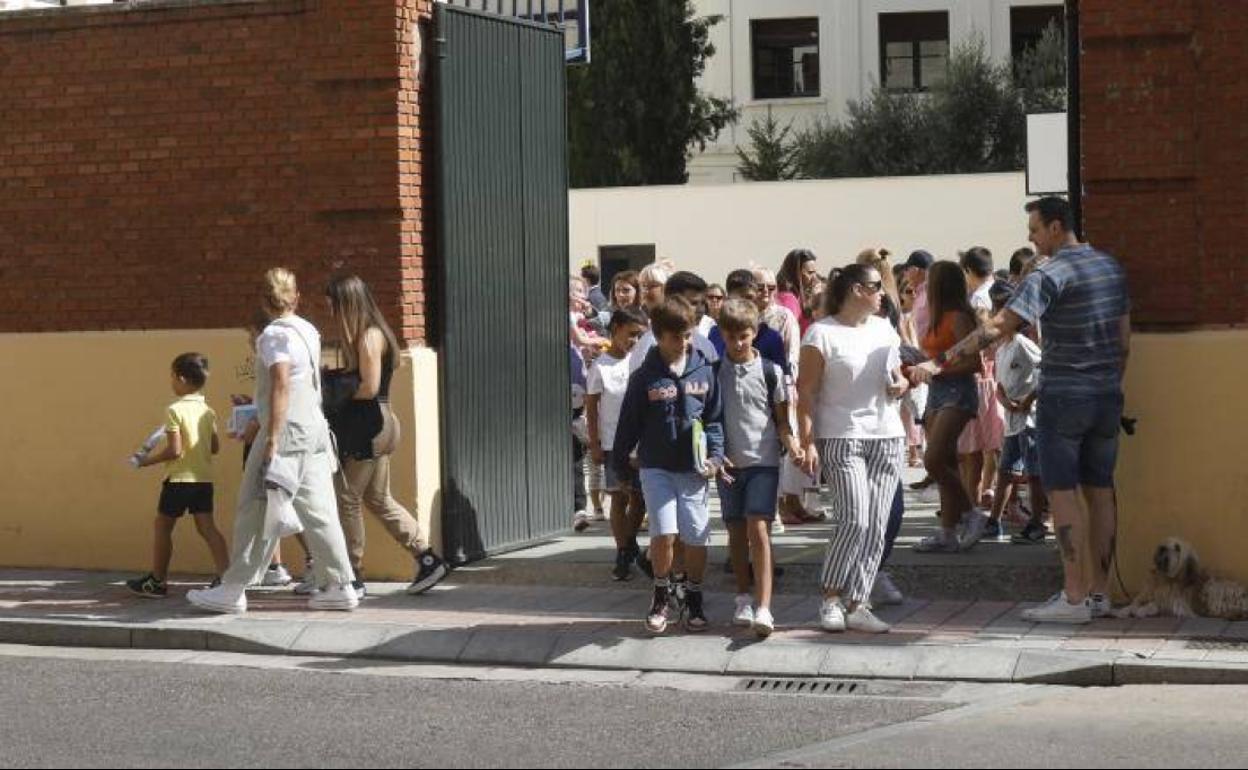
(805, 60)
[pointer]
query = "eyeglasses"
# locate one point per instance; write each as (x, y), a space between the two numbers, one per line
(873, 287)
(714, 297)
(768, 287)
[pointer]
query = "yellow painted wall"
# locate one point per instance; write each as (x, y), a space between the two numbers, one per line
(1185, 472)
(74, 406)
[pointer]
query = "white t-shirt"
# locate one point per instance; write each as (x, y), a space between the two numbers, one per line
(853, 401)
(1018, 370)
(608, 378)
(279, 343)
(705, 325)
(981, 298)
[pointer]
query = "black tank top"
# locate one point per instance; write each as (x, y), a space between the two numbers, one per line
(359, 421)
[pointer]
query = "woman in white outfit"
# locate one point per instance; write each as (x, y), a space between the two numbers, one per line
(293, 429)
(850, 381)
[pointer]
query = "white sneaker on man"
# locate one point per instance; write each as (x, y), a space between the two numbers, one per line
(1059, 610)
(341, 598)
(863, 620)
(832, 616)
(276, 576)
(224, 599)
(764, 623)
(973, 526)
(1102, 606)
(744, 614)
(885, 591)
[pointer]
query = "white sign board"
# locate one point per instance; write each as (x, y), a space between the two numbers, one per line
(1046, 153)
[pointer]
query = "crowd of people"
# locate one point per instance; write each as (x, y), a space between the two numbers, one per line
(316, 454)
(801, 394)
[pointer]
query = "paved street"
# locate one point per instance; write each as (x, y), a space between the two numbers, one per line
(89, 708)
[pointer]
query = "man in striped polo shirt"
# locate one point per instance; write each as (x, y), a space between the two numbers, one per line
(1078, 298)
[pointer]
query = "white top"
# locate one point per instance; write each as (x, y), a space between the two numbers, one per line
(853, 400)
(608, 378)
(705, 325)
(1018, 370)
(981, 298)
(279, 343)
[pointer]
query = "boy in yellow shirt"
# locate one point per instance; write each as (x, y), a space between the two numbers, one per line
(190, 442)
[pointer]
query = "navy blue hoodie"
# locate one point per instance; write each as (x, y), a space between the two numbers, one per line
(658, 413)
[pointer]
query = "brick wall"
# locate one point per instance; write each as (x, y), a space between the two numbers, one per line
(155, 160)
(1165, 154)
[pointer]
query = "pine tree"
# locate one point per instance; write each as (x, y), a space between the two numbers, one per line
(772, 157)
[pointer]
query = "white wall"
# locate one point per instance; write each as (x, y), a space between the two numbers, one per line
(849, 59)
(712, 230)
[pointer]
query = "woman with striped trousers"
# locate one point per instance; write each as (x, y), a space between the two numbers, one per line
(850, 383)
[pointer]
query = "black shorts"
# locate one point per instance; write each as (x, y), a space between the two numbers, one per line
(179, 497)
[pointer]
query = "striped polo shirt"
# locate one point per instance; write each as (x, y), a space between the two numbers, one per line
(1077, 299)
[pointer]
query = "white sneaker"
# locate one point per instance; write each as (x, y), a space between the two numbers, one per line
(777, 527)
(335, 598)
(973, 526)
(580, 521)
(863, 620)
(1059, 610)
(1102, 606)
(885, 592)
(832, 616)
(938, 543)
(744, 615)
(276, 576)
(764, 623)
(224, 599)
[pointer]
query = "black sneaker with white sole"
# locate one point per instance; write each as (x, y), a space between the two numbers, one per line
(430, 570)
(1032, 534)
(360, 588)
(148, 587)
(623, 569)
(695, 616)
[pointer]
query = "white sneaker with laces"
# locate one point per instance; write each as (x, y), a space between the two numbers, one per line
(744, 614)
(764, 623)
(832, 616)
(580, 521)
(885, 592)
(973, 526)
(1059, 610)
(863, 620)
(1102, 606)
(335, 598)
(276, 577)
(224, 599)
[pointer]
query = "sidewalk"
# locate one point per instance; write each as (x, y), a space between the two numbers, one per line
(600, 628)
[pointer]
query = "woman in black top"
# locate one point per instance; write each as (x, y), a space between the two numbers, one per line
(368, 432)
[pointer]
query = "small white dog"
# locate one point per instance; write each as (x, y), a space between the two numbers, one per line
(1179, 586)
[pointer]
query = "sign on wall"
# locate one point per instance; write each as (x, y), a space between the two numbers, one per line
(1047, 157)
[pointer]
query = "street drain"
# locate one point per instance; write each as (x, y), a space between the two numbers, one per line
(802, 687)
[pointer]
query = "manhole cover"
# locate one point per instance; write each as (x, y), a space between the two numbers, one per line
(840, 687)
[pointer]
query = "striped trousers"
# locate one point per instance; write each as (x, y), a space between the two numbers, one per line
(862, 476)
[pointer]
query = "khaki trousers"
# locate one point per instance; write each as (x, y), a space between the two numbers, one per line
(366, 484)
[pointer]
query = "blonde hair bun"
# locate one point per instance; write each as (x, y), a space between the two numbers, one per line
(281, 293)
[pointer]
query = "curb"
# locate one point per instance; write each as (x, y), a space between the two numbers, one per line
(579, 649)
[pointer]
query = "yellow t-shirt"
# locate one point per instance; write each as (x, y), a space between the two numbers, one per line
(191, 417)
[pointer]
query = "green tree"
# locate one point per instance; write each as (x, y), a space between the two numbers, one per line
(635, 113)
(1041, 72)
(772, 156)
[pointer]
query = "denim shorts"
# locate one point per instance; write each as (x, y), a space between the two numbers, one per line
(952, 392)
(677, 504)
(1019, 457)
(1077, 439)
(752, 493)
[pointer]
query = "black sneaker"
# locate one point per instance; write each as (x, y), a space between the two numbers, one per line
(695, 617)
(361, 590)
(431, 571)
(623, 565)
(1032, 534)
(660, 611)
(677, 594)
(643, 563)
(148, 587)
(992, 530)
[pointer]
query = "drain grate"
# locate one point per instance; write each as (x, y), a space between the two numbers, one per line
(802, 687)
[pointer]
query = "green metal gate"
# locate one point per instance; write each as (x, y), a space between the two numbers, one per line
(503, 256)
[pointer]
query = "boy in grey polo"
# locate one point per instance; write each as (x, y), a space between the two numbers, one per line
(755, 404)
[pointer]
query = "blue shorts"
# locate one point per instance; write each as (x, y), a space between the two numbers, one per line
(676, 503)
(1077, 440)
(1019, 457)
(752, 493)
(956, 391)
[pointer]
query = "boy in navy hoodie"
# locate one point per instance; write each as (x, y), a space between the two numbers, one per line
(672, 415)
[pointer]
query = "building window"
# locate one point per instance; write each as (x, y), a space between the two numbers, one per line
(786, 57)
(1027, 25)
(914, 50)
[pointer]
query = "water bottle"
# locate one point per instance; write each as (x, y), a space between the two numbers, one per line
(148, 445)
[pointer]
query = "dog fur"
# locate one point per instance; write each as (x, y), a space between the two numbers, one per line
(1179, 586)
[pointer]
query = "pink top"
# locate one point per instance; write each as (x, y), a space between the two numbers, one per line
(921, 314)
(790, 300)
